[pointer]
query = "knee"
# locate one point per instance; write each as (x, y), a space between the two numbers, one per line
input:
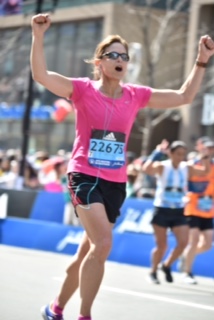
(102, 248)
(162, 247)
(192, 245)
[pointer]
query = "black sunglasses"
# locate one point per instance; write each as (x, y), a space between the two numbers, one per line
(115, 55)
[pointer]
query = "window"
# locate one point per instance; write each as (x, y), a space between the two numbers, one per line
(66, 47)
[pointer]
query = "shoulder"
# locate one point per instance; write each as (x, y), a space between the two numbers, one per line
(140, 94)
(81, 81)
(79, 87)
(135, 88)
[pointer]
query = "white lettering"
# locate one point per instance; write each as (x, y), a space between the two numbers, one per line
(73, 237)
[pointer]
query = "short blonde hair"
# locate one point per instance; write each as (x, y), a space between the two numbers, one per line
(100, 50)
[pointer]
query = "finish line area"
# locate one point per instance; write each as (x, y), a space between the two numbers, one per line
(31, 278)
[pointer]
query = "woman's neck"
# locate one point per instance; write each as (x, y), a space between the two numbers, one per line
(111, 89)
(175, 164)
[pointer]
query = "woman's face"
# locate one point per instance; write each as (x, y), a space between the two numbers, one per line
(113, 68)
(178, 155)
(5, 164)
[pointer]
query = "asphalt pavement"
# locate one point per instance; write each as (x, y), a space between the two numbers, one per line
(30, 279)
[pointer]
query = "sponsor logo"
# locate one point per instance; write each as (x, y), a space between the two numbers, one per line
(110, 136)
(135, 221)
(72, 237)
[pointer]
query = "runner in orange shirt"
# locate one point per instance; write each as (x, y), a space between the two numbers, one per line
(200, 212)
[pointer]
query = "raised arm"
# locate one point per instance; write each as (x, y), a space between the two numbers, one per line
(152, 168)
(54, 82)
(174, 98)
(204, 167)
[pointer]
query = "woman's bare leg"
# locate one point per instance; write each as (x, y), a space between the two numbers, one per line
(71, 281)
(161, 245)
(205, 241)
(181, 235)
(199, 242)
(99, 232)
(190, 250)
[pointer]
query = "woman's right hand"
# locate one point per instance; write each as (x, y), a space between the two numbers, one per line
(40, 23)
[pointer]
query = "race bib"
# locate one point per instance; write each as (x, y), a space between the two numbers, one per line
(205, 203)
(173, 197)
(107, 149)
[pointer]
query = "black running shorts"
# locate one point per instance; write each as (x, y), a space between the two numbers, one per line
(169, 218)
(200, 223)
(85, 189)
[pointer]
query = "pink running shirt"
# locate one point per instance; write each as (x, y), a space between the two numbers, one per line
(97, 112)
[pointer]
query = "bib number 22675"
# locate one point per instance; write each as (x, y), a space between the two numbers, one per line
(106, 149)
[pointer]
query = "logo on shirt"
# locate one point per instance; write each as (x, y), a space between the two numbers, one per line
(110, 136)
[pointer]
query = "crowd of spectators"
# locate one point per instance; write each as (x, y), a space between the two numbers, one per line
(42, 171)
(48, 172)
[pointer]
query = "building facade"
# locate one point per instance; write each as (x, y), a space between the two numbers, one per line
(77, 26)
(198, 118)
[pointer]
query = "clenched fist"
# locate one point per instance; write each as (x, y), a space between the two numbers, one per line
(205, 48)
(40, 23)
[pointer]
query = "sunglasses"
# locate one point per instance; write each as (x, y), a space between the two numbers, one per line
(115, 55)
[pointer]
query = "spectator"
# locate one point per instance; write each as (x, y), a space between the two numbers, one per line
(8, 174)
(59, 183)
(132, 173)
(55, 168)
(31, 180)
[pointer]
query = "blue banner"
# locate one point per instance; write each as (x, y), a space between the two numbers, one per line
(133, 238)
(136, 215)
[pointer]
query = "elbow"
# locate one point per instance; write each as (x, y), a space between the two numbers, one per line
(39, 78)
(35, 76)
(186, 98)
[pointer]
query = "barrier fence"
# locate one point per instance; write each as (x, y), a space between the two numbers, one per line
(33, 219)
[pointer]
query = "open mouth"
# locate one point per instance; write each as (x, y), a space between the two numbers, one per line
(118, 68)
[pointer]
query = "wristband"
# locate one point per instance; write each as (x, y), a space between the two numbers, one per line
(201, 64)
(157, 156)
